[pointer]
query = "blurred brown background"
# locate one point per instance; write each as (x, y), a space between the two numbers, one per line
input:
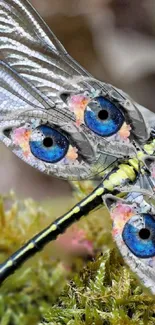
(115, 41)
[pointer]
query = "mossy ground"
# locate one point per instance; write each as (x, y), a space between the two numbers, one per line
(68, 283)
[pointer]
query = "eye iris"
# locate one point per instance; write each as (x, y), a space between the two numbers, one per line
(141, 242)
(103, 117)
(144, 233)
(48, 142)
(49, 145)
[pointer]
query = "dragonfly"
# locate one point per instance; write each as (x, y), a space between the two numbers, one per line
(59, 119)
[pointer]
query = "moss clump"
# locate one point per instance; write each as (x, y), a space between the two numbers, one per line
(68, 286)
(103, 293)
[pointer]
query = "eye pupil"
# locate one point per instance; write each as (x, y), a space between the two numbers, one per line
(48, 142)
(103, 114)
(144, 233)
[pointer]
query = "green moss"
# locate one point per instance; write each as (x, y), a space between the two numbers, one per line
(55, 288)
(103, 293)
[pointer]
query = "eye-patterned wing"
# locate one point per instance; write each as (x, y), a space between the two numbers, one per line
(38, 63)
(134, 233)
(28, 46)
(41, 135)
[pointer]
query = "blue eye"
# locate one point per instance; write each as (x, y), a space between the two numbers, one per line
(103, 117)
(48, 144)
(139, 235)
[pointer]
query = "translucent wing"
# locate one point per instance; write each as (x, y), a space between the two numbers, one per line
(18, 95)
(29, 47)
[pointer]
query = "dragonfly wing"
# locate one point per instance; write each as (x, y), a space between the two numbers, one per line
(18, 99)
(134, 233)
(23, 112)
(35, 55)
(16, 93)
(29, 47)
(34, 68)
(23, 109)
